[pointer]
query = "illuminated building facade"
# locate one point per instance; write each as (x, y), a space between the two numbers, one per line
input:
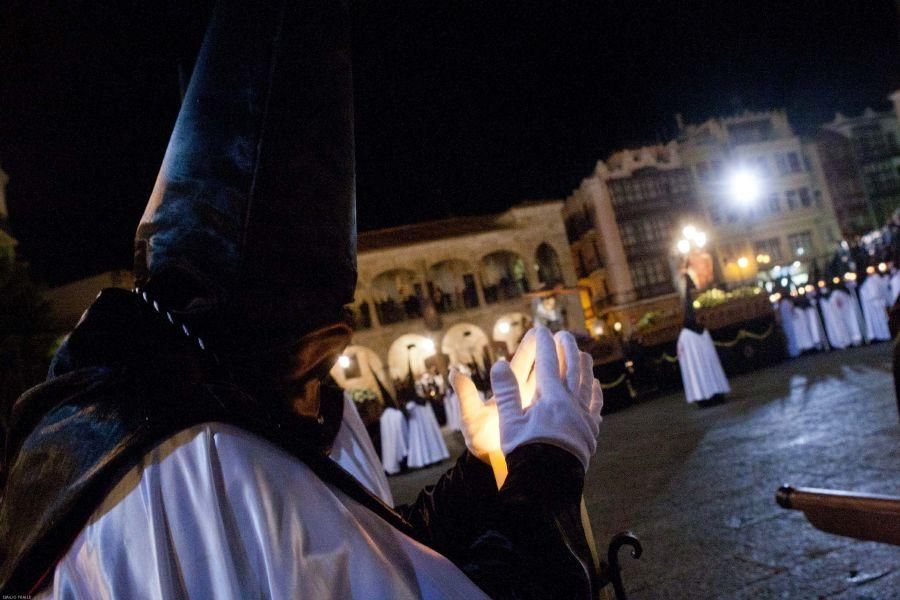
(454, 291)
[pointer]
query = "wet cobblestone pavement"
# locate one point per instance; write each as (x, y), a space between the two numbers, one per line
(698, 486)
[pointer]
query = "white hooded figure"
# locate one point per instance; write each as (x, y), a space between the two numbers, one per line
(701, 369)
(894, 286)
(874, 308)
(786, 312)
(837, 333)
(804, 335)
(845, 307)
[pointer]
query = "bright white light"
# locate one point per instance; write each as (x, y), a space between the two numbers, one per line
(684, 246)
(801, 251)
(743, 262)
(689, 232)
(784, 281)
(700, 239)
(745, 186)
(796, 264)
(882, 267)
(428, 345)
(870, 270)
(503, 326)
(775, 297)
(617, 326)
(598, 329)
(343, 361)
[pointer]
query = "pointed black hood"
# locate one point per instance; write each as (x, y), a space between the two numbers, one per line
(250, 230)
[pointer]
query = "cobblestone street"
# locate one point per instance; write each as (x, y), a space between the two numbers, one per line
(698, 486)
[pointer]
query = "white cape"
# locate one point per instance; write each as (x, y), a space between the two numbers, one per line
(216, 512)
(394, 435)
(354, 451)
(701, 370)
(846, 309)
(426, 444)
(874, 308)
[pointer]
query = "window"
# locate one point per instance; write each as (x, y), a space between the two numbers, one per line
(782, 164)
(792, 199)
(774, 203)
(794, 162)
(801, 243)
(805, 197)
(771, 247)
(817, 195)
(807, 165)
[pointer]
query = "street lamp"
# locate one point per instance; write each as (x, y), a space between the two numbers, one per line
(745, 186)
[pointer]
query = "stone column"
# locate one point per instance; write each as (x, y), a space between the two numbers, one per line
(618, 276)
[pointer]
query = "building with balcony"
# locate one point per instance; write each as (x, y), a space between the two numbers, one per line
(873, 140)
(787, 217)
(454, 291)
(622, 223)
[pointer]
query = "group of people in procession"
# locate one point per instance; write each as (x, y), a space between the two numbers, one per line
(847, 305)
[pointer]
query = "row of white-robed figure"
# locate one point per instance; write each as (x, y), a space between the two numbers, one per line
(842, 317)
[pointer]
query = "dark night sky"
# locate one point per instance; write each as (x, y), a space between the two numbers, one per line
(462, 107)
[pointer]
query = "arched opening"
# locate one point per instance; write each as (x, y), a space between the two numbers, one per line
(451, 284)
(548, 267)
(509, 329)
(410, 351)
(503, 276)
(357, 368)
(360, 315)
(467, 344)
(396, 296)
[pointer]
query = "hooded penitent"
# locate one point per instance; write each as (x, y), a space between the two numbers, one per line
(244, 258)
(248, 240)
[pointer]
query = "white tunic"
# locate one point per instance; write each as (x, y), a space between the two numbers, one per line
(802, 331)
(815, 325)
(895, 287)
(394, 435)
(872, 298)
(844, 307)
(701, 370)
(786, 312)
(451, 408)
(837, 333)
(426, 444)
(216, 512)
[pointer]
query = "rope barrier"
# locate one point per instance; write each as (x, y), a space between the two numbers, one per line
(617, 382)
(742, 334)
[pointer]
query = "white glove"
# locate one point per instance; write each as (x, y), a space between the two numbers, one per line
(565, 410)
(557, 402)
(479, 421)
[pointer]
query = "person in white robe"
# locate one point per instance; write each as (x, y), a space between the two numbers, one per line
(425, 445)
(786, 314)
(844, 307)
(801, 327)
(874, 308)
(895, 285)
(701, 370)
(835, 330)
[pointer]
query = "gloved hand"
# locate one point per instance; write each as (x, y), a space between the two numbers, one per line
(565, 410)
(479, 421)
(557, 402)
